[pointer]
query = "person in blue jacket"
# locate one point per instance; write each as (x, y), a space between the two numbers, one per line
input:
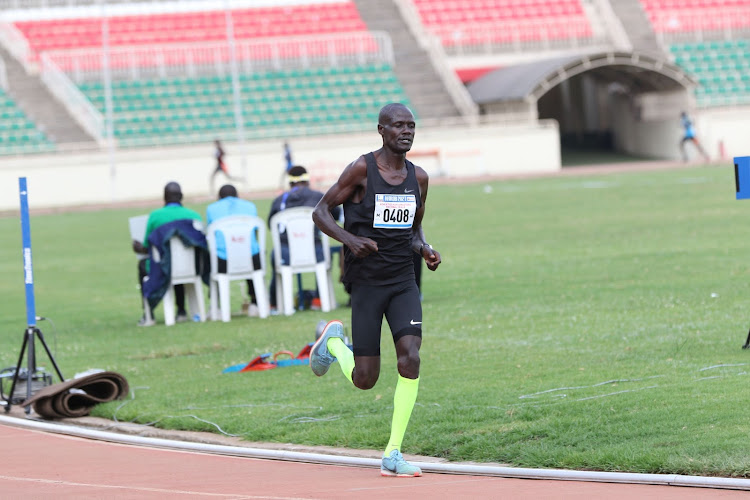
(230, 204)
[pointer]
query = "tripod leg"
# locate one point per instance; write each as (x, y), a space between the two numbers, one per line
(15, 374)
(747, 342)
(30, 364)
(49, 355)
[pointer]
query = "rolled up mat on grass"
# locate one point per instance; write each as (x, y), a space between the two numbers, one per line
(76, 397)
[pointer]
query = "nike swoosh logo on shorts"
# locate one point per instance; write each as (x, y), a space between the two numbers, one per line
(415, 322)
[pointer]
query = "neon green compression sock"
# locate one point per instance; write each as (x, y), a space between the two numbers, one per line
(343, 354)
(403, 402)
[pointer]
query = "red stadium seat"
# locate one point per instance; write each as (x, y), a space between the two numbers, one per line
(473, 22)
(184, 27)
(697, 15)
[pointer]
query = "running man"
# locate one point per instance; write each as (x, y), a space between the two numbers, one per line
(221, 167)
(689, 136)
(384, 198)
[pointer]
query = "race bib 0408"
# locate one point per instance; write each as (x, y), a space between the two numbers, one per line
(394, 211)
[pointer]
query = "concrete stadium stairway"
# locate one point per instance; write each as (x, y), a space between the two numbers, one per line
(40, 106)
(413, 68)
(633, 18)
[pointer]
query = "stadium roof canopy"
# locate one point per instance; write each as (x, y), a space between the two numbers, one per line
(528, 82)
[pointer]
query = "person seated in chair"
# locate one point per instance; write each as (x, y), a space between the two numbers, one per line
(299, 195)
(171, 212)
(229, 204)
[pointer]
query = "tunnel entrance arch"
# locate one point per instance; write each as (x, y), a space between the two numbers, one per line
(628, 103)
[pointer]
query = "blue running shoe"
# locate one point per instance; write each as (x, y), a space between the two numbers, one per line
(320, 358)
(394, 465)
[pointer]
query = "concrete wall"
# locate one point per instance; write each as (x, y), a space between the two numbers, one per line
(723, 133)
(725, 129)
(654, 138)
(91, 178)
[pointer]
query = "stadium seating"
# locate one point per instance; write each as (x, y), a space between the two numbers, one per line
(672, 16)
(476, 22)
(721, 67)
(18, 134)
(711, 54)
(189, 27)
(276, 104)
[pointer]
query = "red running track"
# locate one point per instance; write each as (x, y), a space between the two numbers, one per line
(40, 465)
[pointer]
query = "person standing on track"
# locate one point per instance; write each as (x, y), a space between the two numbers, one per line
(384, 198)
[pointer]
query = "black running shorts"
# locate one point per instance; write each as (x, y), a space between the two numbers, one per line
(400, 305)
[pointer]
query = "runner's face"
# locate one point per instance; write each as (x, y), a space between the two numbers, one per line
(398, 132)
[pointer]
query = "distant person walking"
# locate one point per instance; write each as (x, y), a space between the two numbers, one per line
(689, 136)
(221, 166)
(288, 163)
(288, 157)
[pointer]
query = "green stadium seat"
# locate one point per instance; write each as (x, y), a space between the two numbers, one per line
(18, 134)
(275, 103)
(720, 66)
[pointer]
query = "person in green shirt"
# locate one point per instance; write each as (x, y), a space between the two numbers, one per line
(170, 212)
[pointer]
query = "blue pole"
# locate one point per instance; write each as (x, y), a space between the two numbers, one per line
(28, 275)
(742, 176)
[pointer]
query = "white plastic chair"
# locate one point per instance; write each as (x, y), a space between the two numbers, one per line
(137, 226)
(237, 231)
(300, 230)
(183, 272)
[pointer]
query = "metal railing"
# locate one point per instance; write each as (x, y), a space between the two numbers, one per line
(432, 46)
(60, 69)
(685, 25)
(3, 76)
(66, 92)
(520, 36)
(727, 100)
(17, 44)
(44, 4)
(213, 58)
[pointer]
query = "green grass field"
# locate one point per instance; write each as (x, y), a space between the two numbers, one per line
(585, 322)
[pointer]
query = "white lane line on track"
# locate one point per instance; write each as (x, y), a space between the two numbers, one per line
(444, 468)
(144, 489)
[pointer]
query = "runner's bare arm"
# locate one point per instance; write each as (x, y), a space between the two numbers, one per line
(350, 185)
(419, 243)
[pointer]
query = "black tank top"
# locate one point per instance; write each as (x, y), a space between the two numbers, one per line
(385, 215)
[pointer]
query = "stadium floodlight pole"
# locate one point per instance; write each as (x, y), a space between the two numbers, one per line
(239, 120)
(108, 99)
(32, 332)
